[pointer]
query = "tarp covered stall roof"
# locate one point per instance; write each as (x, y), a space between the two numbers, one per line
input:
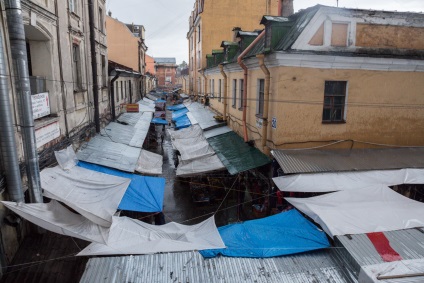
(176, 107)
(403, 271)
(193, 120)
(336, 160)
(192, 132)
(280, 234)
(131, 236)
(144, 194)
(182, 122)
(203, 116)
(372, 209)
(149, 163)
(235, 154)
(329, 182)
(179, 113)
(110, 154)
(159, 121)
(93, 194)
(183, 95)
(216, 132)
(130, 118)
(124, 134)
(56, 218)
(199, 166)
(151, 97)
(193, 148)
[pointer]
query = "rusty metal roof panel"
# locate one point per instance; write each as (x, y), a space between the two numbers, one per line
(318, 266)
(338, 160)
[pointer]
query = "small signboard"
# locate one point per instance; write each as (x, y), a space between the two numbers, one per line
(274, 123)
(47, 133)
(40, 105)
(132, 108)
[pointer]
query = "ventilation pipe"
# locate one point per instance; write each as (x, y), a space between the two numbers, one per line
(23, 92)
(264, 69)
(94, 65)
(224, 113)
(7, 134)
(243, 66)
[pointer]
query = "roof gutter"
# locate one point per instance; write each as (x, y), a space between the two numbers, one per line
(264, 69)
(224, 112)
(244, 67)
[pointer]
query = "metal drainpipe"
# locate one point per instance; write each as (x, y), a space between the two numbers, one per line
(112, 94)
(224, 112)
(244, 67)
(264, 69)
(94, 64)
(20, 63)
(7, 134)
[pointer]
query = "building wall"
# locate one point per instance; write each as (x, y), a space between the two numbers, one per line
(164, 71)
(123, 46)
(150, 65)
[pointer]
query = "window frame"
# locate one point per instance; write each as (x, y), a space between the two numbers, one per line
(234, 102)
(76, 67)
(241, 98)
(101, 20)
(261, 98)
(219, 90)
(332, 106)
(73, 6)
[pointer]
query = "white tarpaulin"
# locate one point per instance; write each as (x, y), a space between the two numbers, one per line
(372, 209)
(402, 268)
(198, 166)
(193, 120)
(186, 133)
(56, 218)
(328, 182)
(131, 236)
(125, 134)
(149, 163)
(93, 194)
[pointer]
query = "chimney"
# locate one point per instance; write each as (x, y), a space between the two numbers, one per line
(110, 13)
(285, 8)
(235, 31)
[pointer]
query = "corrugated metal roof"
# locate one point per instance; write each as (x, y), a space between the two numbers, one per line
(359, 251)
(165, 60)
(337, 160)
(203, 116)
(190, 267)
(124, 134)
(216, 132)
(266, 19)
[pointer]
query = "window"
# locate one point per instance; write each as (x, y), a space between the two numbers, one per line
(117, 91)
(213, 88)
(260, 104)
(241, 95)
(73, 6)
(104, 71)
(198, 59)
(219, 90)
(130, 90)
(76, 67)
(125, 89)
(101, 20)
(339, 34)
(122, 90)
(198, 33)
(334, 102)
(234, 93)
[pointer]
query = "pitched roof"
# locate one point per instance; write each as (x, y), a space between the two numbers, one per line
(165, 60)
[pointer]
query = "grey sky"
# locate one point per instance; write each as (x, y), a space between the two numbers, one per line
(166, 21)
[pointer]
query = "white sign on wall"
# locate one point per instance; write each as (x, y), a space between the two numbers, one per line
(40, 105)
(47, 133)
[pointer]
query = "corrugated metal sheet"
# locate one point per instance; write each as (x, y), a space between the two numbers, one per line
(130, 118)
(359, 251)
(151, 97)
(337, 160)
(190, 267)
(216, 132)
(124, 134)
(110, 154)
(203, 116)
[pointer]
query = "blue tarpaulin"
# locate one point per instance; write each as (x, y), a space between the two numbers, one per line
(182, 122)
(159, 121)
(176, 107)
(179, 113)
(144, 194)
(277, 235)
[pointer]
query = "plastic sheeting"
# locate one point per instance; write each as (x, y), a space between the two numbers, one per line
(277, 235)
(204, 116)
(130, 236)
(193, 120)
(144, 194)
(149, 163)
(56, 218)
(159, 121)
(372, 209)
(191, 143)
(235, 154)
(328, 182)
(179, 113)
(92, 194)
(110, 154)
(124, 134)
(182, 122)
(199, 166)
(176, 107)
(370, 273)
(187, 133)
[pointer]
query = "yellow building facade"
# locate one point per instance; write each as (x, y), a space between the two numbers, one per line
(213, 21)
(345, 79)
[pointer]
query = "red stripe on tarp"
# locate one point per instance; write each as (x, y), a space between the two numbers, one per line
(382, 245)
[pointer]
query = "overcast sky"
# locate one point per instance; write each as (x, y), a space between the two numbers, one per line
(166, 21)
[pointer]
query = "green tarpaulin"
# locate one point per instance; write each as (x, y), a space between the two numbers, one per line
(235, 154)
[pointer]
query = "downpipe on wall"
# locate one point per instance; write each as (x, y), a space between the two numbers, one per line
(224, 112)
(264, 69)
